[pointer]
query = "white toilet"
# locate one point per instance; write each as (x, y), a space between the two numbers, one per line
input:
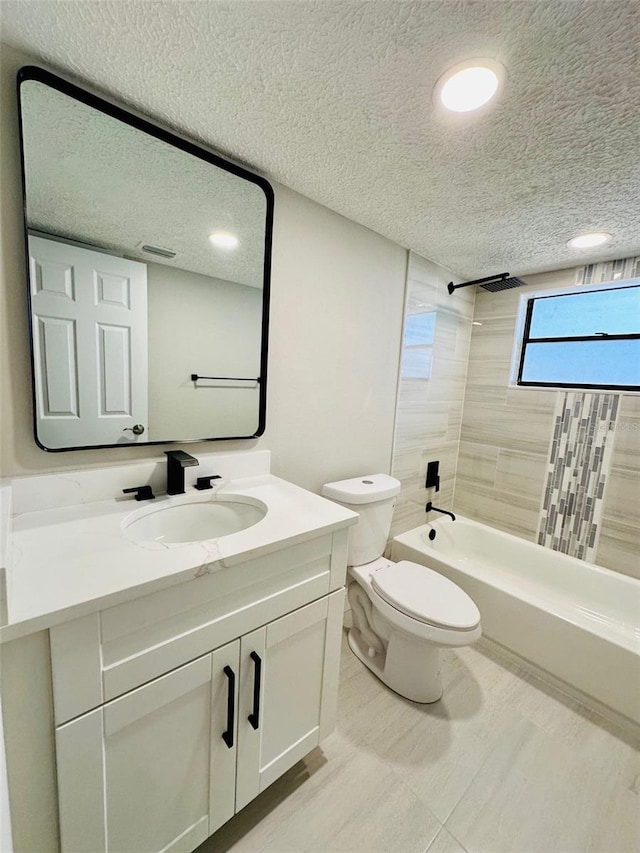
(403, 613)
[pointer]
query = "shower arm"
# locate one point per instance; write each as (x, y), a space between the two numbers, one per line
(451, 286)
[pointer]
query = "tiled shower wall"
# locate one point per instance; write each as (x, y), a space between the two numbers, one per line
(506, 441)
(431, 390)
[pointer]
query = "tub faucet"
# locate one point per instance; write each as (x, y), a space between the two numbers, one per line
(177, 461)
(430, 507)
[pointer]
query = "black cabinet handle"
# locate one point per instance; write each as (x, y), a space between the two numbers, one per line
(254, 718)
(227, 736)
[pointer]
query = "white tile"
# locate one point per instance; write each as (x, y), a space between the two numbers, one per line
(346, 801)
(266, 817)
(478, 463)
(513, 513)
(436, 749)
(619, 546)
(622, 497)
(626, 449)
(521, 473)
(630, 407)
(535, 794)
(607, 750)
(487, 380)
(444, 842)
(439, 755)
(526, 429)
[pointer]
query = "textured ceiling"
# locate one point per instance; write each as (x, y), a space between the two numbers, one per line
(94, 179)
(334, 100)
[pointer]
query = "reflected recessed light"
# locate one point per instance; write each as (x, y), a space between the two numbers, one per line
(587, 241)
(469, 85)
(223, 240)
(476, 323)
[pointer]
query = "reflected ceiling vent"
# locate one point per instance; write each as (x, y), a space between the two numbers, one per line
(492, 283)
(156, 250)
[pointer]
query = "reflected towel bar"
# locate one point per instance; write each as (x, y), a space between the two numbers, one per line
(195, 377)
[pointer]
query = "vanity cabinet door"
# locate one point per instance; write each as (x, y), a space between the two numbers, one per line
(151, 770)
(288, 692)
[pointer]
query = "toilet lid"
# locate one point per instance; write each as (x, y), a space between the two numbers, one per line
(425, 595)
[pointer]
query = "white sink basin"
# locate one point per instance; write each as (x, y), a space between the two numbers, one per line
(194, 520)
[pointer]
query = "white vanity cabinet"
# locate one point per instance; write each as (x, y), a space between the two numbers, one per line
(149, 771)
(299, 660)
(176, 709)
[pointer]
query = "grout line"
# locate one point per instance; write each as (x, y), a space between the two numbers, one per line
(481, 766)
(442, 829)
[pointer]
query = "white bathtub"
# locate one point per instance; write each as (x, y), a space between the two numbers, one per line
(577, 621)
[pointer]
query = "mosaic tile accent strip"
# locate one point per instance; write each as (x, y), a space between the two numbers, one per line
(579, 461)
(619, 270)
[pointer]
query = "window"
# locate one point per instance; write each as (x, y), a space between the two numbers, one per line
(585, 339)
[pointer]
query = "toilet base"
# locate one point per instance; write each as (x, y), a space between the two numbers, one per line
(409, 667)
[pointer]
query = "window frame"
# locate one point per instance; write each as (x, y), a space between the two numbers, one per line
(522, 337)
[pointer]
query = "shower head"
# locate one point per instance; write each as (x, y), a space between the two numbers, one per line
(492, 283)
(503, 284)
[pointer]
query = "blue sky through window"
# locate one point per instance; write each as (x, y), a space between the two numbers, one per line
(584, 363)
(615, 311)
(597, 363)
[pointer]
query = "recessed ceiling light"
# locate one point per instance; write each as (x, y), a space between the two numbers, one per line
(476, 323)
(469, 85)
(588, 241)
(224, 240)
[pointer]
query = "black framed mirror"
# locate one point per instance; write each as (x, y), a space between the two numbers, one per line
(148, 266)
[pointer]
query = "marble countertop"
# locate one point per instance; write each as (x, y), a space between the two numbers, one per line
(65, 562)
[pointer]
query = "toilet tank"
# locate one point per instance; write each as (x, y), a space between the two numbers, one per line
(373, 497)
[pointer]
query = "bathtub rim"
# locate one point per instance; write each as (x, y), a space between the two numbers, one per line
(591, 668)
(627, 636)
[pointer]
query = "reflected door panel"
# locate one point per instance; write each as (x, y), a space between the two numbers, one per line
(89, 315)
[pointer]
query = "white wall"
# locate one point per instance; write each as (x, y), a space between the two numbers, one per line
(6, 841)
(199, 324)
(336, 309)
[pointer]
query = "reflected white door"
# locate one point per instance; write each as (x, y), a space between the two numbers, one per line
(90, 345)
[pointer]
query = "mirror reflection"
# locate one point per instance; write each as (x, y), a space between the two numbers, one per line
(148, 277)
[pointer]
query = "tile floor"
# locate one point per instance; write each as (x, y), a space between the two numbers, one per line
(502, 764)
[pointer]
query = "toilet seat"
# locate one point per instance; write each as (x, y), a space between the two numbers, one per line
(424, 595)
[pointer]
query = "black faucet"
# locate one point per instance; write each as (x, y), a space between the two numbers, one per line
(430, 507)
(177, 461)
